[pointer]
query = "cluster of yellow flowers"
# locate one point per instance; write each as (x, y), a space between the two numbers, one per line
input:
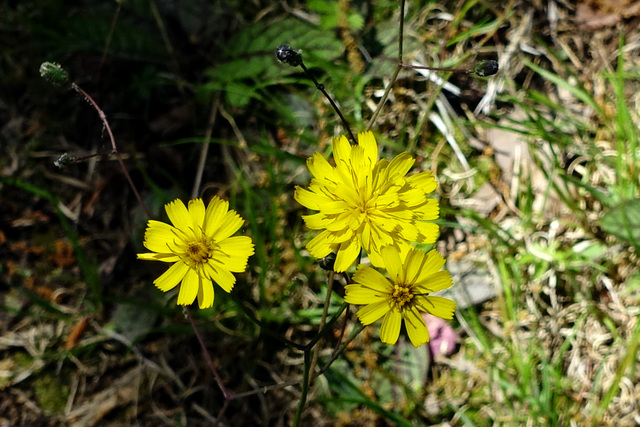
(363, 202)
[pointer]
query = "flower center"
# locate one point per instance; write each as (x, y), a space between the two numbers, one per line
(402, 294)
(367, 204)
(199, 252)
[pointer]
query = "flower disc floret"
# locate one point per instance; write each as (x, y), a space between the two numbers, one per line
(413, 276)
(200, 246)
(364, 202)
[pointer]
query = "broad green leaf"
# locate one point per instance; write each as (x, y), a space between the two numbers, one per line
(239, 94)
(355, 21)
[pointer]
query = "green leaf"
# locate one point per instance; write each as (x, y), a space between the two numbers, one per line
(249, 65)
(355, 21)
(412, 365)
(251, 53)
(133, 320)
(241, 69)
(348, 392)
(578, 91)
(239, 94)
(623, 221)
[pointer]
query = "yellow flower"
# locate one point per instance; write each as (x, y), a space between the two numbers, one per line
(414, 276)
(366, 203)
(201, 247)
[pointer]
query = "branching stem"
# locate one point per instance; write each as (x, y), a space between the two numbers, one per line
(114, 148)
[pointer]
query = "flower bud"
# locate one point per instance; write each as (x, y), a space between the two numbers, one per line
(485, 68)
(286, 54)
(328, 262)
(64, 161)
(54, 73)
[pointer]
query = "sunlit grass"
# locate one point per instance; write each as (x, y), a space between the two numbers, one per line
(556, 266)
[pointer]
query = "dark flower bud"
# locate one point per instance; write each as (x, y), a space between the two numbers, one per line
(286, 54)
(327, 262)
(64, 161)
(485, 68)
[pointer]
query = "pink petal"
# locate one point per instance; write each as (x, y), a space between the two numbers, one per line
(444, 339)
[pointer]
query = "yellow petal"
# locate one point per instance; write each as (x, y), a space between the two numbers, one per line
(321, 245)
(357, 160)
(392, 262)
(416, 328)
(387, 200)
(196, 212)
(412, 197)
(222, 277)
(205, 294)
(345, 175)
(340, 222)
(438, 306)
(319, 167)
(170, 278)
(434, 282)
(413, 265)
(380, 172)
(347, 254)
(363, 295)
(178, 214)
(335, 207)
(427, 232)
(404, 249)
(322, 187)
(213, 217)
(231, 222)
(310, 200)
(317, 221)
(432, 264)
(341, 150)
(372, 312)
(373, 279)
(428, 211)
(380, 237)
(424, 180)
(158, 235)
(409, 231)
(365, 236)
(399, 166)
(159, 257)
(349, 194)
(370, 287)
(375, 259)
(390, 328)
(370, 147)
(189, 287)
(236, 252)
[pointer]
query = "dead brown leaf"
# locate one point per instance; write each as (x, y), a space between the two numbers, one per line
(63, 256)
(597, 14)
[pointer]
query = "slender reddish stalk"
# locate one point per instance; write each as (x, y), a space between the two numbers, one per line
(114, 148)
